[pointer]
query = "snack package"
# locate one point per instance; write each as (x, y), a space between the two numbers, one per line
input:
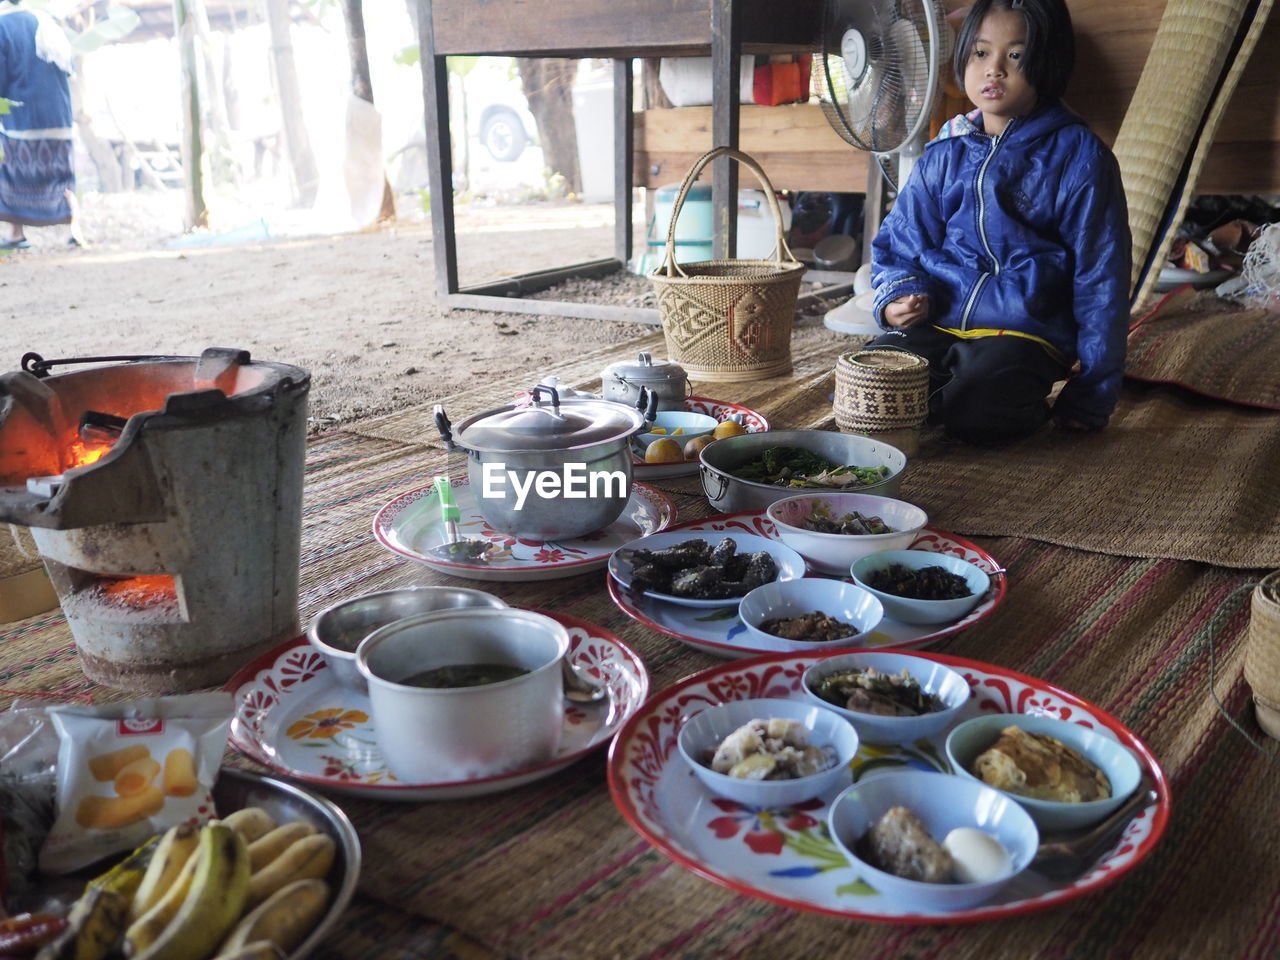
(127, 771)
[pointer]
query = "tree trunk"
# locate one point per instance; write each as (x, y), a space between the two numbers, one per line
(362, 86)
(196, 213)
(301, 160)
(655, 98)
(548, 86)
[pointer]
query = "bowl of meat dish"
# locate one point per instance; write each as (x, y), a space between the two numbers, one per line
(802, 614)
(831, 530)
(338, 629)
(768, 753)
(753, 470)
(1065, 774)
(888, 697)
(706, 568)
(930, 841)
(920, 586)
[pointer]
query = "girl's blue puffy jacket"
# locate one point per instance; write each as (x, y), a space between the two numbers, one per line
(1026, 232)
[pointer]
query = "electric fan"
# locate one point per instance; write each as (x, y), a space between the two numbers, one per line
(877, 69)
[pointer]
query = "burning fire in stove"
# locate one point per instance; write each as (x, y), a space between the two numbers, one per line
(84, 452)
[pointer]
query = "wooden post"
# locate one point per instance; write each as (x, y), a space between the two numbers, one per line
(726, 53)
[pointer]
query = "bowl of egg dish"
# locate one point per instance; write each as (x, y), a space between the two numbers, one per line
(1065, 774)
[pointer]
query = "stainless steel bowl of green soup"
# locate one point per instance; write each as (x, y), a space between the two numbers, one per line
(466, 693)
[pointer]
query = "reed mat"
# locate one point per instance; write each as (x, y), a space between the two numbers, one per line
(1210, 346)
(1172, 476)
(551, 870)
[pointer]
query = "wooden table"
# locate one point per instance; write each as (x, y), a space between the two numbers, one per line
(620, 30)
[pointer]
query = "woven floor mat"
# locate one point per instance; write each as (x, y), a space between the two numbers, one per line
(552, 870)
(1172, 476)
(813, 352)
(1212, 347)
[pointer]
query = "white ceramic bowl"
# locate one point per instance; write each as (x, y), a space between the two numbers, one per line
(704, 732)
(432, 735)
(950, 686)
(908, 610)
(834, 552)
(337, 630)
(791, 598)
(789, 563)
(689, 424)
(1121, 767)
(942, 803)
(727, 493)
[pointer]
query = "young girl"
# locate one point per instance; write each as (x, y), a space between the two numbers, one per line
(1006, 258)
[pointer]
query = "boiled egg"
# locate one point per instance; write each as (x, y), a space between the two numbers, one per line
(979, 857)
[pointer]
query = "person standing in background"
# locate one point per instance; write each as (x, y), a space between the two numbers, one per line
(37, 173)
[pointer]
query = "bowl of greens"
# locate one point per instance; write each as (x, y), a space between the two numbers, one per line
(754, 470)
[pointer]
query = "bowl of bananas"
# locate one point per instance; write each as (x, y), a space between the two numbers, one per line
(269, 878)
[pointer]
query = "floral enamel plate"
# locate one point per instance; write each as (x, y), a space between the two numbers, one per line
(410, 524)
(751, 420)
(720, 633)
(786, 855)
(292, 715)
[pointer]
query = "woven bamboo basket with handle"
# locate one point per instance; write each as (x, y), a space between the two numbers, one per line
(729, 319)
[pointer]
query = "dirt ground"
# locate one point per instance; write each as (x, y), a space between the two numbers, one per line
(355, 309)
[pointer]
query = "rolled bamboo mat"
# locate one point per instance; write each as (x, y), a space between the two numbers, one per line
(1200, 49)
(1210, 346)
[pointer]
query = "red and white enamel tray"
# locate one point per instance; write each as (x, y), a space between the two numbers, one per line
(410, 525)
(786, 856)
(720, 633)
(292, 715)
(752, 422)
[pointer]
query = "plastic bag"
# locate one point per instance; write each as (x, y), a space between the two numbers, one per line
(127, 771)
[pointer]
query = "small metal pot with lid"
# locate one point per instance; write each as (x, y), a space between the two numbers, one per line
(623, 381)
(554, 469)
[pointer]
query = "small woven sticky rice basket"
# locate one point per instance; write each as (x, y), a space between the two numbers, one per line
(1262, 653)
(728, 319)
(882, 393)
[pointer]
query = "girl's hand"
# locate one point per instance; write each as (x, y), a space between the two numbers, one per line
(907, 311)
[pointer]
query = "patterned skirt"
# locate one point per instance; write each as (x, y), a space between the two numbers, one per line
(35, 176)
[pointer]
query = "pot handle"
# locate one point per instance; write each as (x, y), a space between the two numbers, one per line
(555, 396)
(709, 478)
(647, 404)
(444, 426)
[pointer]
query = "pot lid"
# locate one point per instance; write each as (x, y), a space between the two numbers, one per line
(549, 423)
(645, 369)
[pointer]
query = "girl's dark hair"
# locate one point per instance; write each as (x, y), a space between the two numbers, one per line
(1050, 52)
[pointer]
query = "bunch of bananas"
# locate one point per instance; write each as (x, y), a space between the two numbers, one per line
(241, 888)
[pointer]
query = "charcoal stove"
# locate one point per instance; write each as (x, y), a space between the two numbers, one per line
(165, 497)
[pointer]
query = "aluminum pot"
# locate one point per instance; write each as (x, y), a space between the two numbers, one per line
(727, 494)
(554, 469)
(623, 382)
